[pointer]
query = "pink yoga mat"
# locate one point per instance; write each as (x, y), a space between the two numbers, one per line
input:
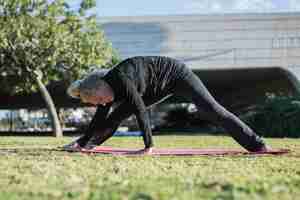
(181, 151)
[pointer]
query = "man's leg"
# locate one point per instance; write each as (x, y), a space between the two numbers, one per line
(192, 87)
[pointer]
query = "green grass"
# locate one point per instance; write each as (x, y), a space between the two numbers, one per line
(31, 169)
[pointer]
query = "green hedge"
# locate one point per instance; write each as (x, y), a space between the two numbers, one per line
(278, 117)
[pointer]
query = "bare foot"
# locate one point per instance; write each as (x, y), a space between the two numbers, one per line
(89, 147)
(267, 148)
(264, 148)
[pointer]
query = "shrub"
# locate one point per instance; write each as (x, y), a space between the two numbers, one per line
(276, 117)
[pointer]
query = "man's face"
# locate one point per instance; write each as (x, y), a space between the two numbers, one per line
(100, 97)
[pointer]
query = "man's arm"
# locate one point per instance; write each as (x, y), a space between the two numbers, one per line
(139, 109)
(113, 121)
(123, 111)
(98, 120)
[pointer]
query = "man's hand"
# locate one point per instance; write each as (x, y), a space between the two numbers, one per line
(146, 151)
(73, 146)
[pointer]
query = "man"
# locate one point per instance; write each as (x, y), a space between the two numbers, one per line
(139, 82)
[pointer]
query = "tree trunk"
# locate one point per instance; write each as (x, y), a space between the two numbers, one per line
(51, 108)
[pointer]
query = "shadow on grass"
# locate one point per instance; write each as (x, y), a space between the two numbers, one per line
(182, 132)
(38, 151)
(21, 151)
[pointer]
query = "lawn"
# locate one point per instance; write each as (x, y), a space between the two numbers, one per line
(30, 168)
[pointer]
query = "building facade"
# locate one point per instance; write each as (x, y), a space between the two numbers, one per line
(238, 56)
(210, 41)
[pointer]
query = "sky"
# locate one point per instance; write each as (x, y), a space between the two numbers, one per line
(178, 7)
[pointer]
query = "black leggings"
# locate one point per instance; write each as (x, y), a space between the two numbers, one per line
(192, 88)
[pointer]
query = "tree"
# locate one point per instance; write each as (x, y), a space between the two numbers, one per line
(42, 40)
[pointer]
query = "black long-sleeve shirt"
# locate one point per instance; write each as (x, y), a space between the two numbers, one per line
(141, 81)
(149, 77)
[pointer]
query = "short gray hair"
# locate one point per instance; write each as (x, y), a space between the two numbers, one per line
(88, 85)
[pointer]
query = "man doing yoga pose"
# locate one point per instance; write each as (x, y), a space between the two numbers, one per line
(139, 82)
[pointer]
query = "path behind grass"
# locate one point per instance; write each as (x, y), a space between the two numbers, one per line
(31, 169)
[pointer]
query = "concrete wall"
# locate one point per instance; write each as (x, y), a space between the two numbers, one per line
(210, 41)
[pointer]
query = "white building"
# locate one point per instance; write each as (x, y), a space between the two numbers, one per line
(210, 41)
(238, 56)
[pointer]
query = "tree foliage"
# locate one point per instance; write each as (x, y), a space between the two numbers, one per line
(50, 37)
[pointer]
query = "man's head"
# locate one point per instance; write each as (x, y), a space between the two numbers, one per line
(92, 89)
